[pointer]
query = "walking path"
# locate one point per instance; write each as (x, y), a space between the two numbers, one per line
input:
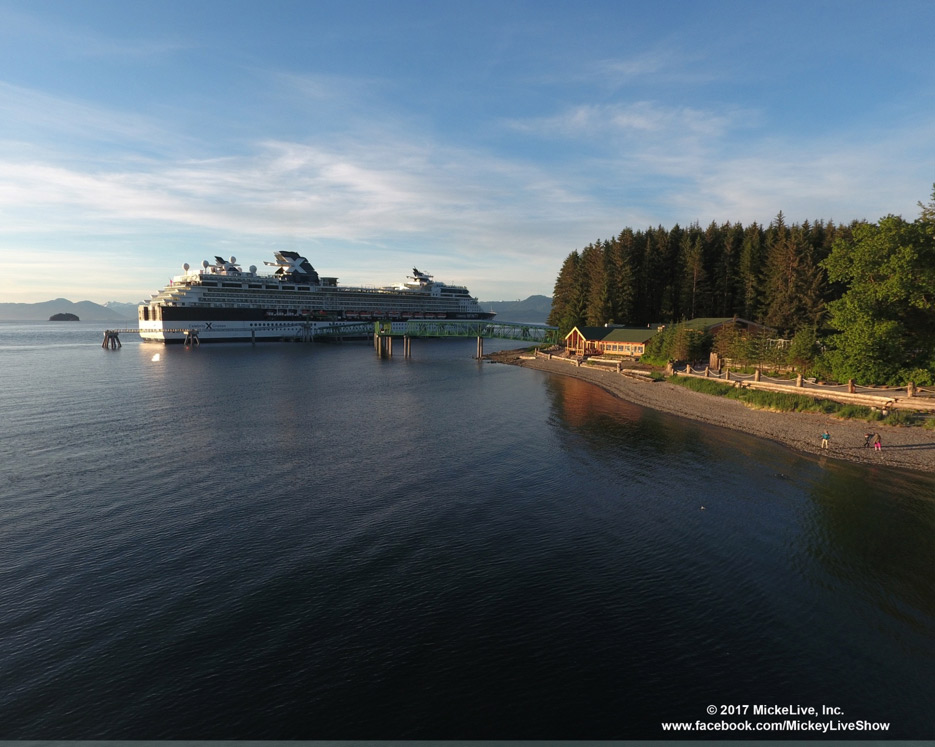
(905, 447)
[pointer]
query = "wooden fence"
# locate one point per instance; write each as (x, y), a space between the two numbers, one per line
(910, 397)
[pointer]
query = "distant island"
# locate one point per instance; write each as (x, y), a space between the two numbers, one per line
(64, 318)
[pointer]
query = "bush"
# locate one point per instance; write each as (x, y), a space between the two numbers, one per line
(921, 377)
(781, 401)
(678, 343)
(900, 417)
(858, 412)
(705, 386)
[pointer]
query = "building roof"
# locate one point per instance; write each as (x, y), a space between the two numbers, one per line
(705, 324)
(615, 334)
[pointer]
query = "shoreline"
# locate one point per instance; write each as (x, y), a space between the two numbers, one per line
(903, 447)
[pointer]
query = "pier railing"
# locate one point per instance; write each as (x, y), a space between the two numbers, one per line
(384, 332)
(533, 333)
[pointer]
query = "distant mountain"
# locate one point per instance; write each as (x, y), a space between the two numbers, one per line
(534, 310)
(87, 311)
(126, 310)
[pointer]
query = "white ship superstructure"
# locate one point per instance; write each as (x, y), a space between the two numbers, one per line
(223, 302)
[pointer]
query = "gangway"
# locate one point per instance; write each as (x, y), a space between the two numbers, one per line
(469, 328)
(384, 332)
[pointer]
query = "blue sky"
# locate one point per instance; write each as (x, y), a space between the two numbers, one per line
(478, 141)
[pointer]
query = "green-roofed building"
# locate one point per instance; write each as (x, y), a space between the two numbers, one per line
(712, 325)
(631, 341)
(623, 341)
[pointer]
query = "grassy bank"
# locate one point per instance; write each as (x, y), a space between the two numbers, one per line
(786, 402)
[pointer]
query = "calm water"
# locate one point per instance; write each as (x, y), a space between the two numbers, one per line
(304, 541)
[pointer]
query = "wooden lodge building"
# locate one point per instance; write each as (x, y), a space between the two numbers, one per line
(631, 341)
(623, 341)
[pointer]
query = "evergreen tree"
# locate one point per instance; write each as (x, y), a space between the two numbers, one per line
(751, 263)
(803, 349)
(677, 343)
(655, 277)
(727, 283)
(594, 273)
(622, 282)
(731, 342)
(633, 245)
(669, 243)
(694, 285)
(792, 283)
(567, 301)
(886, 317)
(777, 230)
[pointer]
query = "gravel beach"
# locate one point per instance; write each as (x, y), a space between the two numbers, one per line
(903, 447)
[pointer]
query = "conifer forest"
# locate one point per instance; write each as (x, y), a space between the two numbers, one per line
(854, 301)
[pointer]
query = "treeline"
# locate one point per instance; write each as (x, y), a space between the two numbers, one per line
(768, 274)
(811, 281)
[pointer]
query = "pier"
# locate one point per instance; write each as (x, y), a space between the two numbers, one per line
(384, 332)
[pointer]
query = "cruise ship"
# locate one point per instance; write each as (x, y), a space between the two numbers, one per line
(224, 303)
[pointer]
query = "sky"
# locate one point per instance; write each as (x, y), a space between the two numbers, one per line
(481, 142)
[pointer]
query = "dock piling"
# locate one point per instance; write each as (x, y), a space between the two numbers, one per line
(111, 340)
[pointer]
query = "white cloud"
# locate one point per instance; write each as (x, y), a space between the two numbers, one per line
(460, 206)
(647, 120)
(847, 178)
(665, 62)
(372, 197)
(63, 128)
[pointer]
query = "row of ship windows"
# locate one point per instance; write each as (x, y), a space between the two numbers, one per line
(257, 286)
(446, 292)
(226, 299)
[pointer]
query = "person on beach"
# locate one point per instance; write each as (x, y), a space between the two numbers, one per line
(867, 437)
(825, 438)
(878, 443)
